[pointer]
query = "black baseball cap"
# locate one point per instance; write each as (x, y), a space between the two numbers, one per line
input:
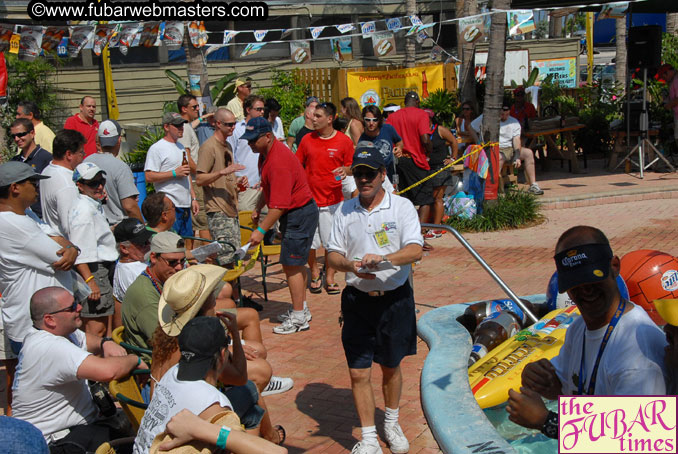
(584, 264)
(199, 340)
(412, 94)
(255, 128)
(367, 154)
(133, 230)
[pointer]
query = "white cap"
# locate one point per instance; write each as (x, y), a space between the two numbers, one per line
(109, 131)
(86, 171)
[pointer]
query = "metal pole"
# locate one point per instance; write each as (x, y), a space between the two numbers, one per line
(487, 267)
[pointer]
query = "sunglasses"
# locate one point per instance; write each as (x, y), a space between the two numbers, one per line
(72, 308)
(505, 109)
(230, 125)
(20, 134)
(172, 263)
(371, 120)
(258, 109)
(35, 183)
(94, 183)
(196, 107)
(368, 175)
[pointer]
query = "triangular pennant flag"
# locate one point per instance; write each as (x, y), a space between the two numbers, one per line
(436, 53)
(367, 28)
(80, 36)
(394, 24)
(414, 19)
(316, 31)
(251, 49)
(102, 35)
(344, 28)
(51, 38)
(174, 33)
(30, 42)
(422, 36)
(229, 35)
(259, 35)
(6, 32)
(285, 33)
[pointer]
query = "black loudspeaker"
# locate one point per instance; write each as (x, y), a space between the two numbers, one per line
(645, 47)
(634, 118)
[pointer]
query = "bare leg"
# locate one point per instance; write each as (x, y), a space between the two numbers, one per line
(315, 268)
(296, 281)
(527, 158)
(363, 395)
(438, 207)
(424, 213)
(392, 385)
(329, 272)
(97, 326)
(10, 369)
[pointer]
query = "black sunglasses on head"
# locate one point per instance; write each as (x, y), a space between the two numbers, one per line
(72, 308)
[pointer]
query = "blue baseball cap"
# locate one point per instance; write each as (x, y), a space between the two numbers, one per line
(367, 154)
(255, 128)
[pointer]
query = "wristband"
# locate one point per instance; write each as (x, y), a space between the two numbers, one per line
(104, 339)
(223, 436)
(138, 361)
(262, 231)
(174, 173)
(89, 278)
(75, 247)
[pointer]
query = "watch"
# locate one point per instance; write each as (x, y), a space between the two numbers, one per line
(104, 339)
(73, 246)
(550, 428)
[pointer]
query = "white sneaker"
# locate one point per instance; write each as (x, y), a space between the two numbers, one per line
(291, 326)
(366, 448)
(277, 385)
(396, 439)
(282, 317)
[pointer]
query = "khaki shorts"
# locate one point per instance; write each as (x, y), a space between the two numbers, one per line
(199, 221)
(508, 153)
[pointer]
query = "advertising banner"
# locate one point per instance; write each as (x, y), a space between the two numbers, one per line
(383, 87)
(564, 71)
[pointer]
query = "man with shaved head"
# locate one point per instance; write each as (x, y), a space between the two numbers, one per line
(216, 174)
(85, 123)
(56, 360)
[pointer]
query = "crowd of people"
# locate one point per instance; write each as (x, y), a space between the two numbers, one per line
(79, 258)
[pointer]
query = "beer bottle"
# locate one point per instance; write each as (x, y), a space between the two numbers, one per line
(491, 332)
(476, 313)
(184, 160)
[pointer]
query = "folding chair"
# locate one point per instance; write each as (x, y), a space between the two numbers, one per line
(110, 447)
(117, 338)
(246, 229)
(127, 392)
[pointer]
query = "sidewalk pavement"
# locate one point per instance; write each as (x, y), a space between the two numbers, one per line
(318, 413)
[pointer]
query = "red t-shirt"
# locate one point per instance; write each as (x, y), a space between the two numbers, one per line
(88, 130)
(411, 123)
(320, 157)
(283, 179)
(527, 111)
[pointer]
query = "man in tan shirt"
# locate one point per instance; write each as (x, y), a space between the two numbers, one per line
(216, 174)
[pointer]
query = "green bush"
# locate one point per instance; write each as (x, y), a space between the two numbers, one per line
(445, 104)
(512, 210)
(289, 92)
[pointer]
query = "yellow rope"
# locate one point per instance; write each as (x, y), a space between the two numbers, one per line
(428, 177)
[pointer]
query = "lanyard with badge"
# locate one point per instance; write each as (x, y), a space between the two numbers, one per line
(608, 332)
(382, 238)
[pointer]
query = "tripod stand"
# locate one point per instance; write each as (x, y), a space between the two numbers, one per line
(644, 144)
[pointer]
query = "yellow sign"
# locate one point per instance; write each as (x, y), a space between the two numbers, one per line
(384, 87)
(14, 44)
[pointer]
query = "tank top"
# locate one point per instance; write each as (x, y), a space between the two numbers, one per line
(439, 150)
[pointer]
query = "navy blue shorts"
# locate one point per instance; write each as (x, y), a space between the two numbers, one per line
(297, 227)
(182, 224)
(382, 329)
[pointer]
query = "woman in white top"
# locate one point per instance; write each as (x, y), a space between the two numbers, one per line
(464, 125)
(351, 111)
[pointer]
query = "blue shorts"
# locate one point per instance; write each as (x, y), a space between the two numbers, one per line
(244, 401)
(183, 225)
(297, 227)
(382, 329)
(16, 346)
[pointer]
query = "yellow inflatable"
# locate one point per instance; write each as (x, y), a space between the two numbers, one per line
(497, 372)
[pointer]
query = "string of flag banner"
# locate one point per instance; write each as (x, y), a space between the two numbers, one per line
(29, 41)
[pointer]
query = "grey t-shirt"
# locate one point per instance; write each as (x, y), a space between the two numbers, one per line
(119, 184)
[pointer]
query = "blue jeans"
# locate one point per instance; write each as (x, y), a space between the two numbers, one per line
(21, 436)
(183, 225)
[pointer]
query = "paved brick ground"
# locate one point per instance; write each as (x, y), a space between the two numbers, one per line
(319, 414)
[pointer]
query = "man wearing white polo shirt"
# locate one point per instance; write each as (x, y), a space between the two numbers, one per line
(166, 170)
(375, 239)
(243, 154)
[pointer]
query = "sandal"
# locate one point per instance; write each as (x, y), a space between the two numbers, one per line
(281, 434)
(316, 280)
(332, 289)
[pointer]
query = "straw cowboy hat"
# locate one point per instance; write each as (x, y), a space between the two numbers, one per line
(668, 310)
(184, 294)
(224, 418)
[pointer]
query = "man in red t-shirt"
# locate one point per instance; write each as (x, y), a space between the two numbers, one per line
(289, 199)
(414, 126)
(326, 154)
(85, 123)
(522, 110)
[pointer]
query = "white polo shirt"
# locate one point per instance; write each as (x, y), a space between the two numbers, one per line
(89, 230)
(355, 233)
(243, 154)
(57, 194)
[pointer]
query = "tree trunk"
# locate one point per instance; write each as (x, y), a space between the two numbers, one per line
(620, 58)
(197, 65)
(672, 23)
(467, 54)
(410, 47)
(494, 83)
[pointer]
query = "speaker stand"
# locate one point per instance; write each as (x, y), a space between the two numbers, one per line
(643, 142)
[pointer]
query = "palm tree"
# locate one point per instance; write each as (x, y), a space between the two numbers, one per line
(467, 52)
(620, 58)
(494, 82)
(410, 50)
(196, 63)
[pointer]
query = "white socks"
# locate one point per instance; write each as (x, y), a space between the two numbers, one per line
(370, 435)
(298, 315)
(305, 305)
(391, 416)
